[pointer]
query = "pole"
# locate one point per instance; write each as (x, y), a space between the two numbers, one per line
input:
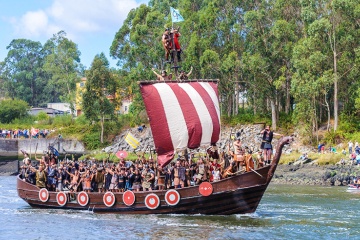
(30, 143)
(173, 51)
(256, 172)
(36, 149)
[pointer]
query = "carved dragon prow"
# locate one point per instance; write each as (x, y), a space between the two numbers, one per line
(275, 161)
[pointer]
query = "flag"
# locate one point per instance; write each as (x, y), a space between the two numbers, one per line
(53, 151)
(175, 15)
(132, 141)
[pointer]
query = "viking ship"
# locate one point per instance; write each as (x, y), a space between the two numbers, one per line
(182, 115)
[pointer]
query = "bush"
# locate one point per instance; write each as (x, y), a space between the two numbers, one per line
(334, 137)
(81, 120)
(62, 120)
(92, 140)
(11, 109)
(22, 123)
(41, 116)
(349, 123)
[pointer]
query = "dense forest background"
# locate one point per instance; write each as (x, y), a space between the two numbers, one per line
(292, 61)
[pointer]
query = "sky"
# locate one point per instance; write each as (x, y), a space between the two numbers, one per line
(91, 24)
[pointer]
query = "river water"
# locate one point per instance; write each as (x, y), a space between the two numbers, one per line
(285, 212)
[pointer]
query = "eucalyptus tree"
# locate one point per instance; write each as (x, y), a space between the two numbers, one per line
(22, 73)
(62, 64)
(137, 46)
(230, 83)
(99, 98)
(339, 24)
(260, 60)
(210, 32)
(325, 59)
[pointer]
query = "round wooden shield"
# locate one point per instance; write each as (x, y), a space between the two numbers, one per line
(205, 189)
(61, 198)
(109, 199)
(83, 198)
(121, 154)
(172, 197)
(128, 198)
(152, 201)
(43, 195)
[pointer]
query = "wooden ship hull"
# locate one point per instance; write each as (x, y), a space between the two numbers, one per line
(238, 194)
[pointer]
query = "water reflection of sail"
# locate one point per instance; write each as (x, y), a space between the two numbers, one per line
(182, 115)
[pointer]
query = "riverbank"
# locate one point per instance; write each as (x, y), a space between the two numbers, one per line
(328, 175)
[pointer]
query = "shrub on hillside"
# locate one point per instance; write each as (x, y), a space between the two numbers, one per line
(11, 109)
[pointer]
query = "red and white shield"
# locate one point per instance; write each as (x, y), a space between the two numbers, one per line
(152, 201)
(172, 197)
(128, 198)
(205, 189)
(109, 199)
(83, 198)
(121, 154)
(61, 198)
(43, 195)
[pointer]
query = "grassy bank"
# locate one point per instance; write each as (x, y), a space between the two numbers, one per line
(319, 158)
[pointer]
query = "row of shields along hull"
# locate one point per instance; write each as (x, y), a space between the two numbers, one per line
(152, 201)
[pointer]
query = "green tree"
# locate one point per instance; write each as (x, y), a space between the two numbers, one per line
(326, 54)
(260, 62)
(62, 66)
(278, 53)
(22, 72)
(11, 109)
(101, 87)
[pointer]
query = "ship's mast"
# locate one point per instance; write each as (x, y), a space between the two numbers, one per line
(174, 55)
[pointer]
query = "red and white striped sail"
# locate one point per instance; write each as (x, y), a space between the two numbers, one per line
(182, 115)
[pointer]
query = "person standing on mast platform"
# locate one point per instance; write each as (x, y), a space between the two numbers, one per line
(176, 35)
(167, 43)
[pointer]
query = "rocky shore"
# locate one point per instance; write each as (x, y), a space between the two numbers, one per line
(330, 175)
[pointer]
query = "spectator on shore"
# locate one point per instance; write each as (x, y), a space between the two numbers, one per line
(343, 152)
(350, 145)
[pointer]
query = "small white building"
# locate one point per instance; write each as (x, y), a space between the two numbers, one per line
(62, 107)
(125, 104)
(49, 111)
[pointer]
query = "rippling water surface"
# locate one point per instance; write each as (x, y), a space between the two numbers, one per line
(285, 212)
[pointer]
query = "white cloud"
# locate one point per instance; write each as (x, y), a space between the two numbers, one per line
(31, 23)
(75, 18)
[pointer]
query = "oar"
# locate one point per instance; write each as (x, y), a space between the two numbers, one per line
(256, 172)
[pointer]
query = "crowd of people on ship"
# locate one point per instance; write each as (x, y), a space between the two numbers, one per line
(141, 175)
